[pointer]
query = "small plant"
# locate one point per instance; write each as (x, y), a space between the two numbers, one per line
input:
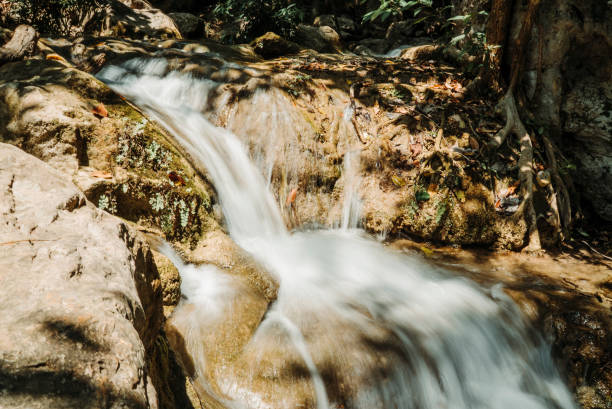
(441, 211)
(472, 41)
(107, 203)
(157, 202)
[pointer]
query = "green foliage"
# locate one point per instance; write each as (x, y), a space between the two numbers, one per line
(471, 41)
(422, 195)
(418, 8)
(57, 17)
(255, 17)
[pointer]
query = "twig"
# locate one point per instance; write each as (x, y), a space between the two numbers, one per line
(8, 243)
(595, 251)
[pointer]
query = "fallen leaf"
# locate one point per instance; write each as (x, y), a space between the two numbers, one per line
(100, 111)
(175, 178)
(291, 196)
(474, 143)
(398, 181)
(432, 188)
(101, 174)
(427, 251)
(512, 188)
(416, 149)
(461, 196)
(55, 57)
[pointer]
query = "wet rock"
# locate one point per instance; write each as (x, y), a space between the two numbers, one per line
(83, 305)
(323, 39)
(189, 25)
(271, 45)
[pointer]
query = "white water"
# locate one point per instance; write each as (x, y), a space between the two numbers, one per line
(403, 333)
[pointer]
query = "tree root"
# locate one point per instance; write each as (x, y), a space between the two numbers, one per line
(515, 126)
(563, 203)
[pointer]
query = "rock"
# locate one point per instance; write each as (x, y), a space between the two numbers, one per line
(363, 51)
(421, 52)
(46, 110)
(346, 24)
(271, 45)
(82, 304)
(326, 20)
(376, 45)
(399, 33)
(120, 19)
(323, 39)
(170, 279)
(588, 119)
(189, 25)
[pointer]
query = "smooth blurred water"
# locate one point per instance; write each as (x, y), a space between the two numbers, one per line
(345, 299)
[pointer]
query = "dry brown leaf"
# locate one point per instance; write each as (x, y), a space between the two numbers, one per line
(101, 174)
(100, 111)
(416, 149)
(176, 178)
(474, 143)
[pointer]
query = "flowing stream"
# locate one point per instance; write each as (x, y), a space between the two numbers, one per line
(369, 327)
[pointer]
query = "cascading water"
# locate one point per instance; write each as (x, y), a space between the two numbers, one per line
(354, 324)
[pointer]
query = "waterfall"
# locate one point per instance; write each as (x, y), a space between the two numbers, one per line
(372, 327)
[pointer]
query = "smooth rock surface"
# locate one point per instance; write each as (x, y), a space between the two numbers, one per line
(80, 292)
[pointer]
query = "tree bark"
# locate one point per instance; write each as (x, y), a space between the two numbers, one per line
(498, 27)
(21, 44)
(520, 54)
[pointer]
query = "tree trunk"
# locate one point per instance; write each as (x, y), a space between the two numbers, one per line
(520, 54)
(498, 27)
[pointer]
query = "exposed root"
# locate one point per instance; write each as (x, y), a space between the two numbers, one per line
(563, 203)
(515, 126)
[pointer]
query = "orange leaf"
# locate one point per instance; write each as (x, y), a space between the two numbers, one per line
(291, 196)
(101, 174)
(55, 57)
(100, 111)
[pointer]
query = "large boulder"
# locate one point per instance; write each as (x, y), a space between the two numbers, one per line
(80, 294)
(137, 19)
(271, 45)
(323, 39)
(189, 25)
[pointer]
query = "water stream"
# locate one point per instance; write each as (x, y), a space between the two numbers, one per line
(371, 327)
